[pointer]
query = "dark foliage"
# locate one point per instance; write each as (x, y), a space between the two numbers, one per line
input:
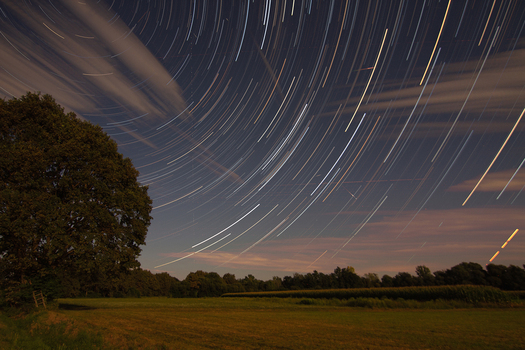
(467, 293)
(210, 284)
(72, 214)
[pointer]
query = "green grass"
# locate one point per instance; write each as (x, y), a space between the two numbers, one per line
(272, 323)
(45, 330)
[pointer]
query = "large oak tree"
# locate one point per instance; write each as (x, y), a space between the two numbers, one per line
(71, 208)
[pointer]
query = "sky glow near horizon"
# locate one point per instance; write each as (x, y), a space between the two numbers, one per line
(291, 136)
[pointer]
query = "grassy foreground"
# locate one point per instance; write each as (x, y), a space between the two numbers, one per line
(262, 323)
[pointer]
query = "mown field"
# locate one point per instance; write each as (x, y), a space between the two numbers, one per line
(259, 323)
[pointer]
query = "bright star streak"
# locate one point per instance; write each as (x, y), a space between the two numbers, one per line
(261, 239)
(417, 28)
(175, 200)
(309, 205)
(245, 215)
(468, 96)
(439, 183)
(198, 251)
(512, 177)
(437, 41)
(277, 113)
(337, 161)
(496, 157)
(200, 143)
(487, 23)
(244, 31)
(261, 219)
(247, 249)
(369, 80)
(53, 31)
(413, 109)
(14, 46)
(362, 225)
(335, 217)
(160, 127)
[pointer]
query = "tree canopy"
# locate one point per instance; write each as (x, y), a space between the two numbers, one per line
(71, 208)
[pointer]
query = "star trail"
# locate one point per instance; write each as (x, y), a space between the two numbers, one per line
(283, 136)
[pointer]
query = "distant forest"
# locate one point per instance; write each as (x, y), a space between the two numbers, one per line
(141, 282)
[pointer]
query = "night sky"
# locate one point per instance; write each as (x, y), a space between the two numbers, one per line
(291, 136)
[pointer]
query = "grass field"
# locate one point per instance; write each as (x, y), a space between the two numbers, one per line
(266, 323)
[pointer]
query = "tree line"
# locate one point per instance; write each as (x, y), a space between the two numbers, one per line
(139, 282)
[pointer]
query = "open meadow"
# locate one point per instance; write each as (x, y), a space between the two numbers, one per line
(261, 323)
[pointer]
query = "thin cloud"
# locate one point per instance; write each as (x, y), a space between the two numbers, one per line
(495, 92)
(83, 60)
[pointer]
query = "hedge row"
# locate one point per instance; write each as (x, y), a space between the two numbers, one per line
(467, 293)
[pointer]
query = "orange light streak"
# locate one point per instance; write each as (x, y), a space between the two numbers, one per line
(508, 240)
(495, 255)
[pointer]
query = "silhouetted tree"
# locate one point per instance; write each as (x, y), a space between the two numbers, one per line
(496, 274)
(166, 283)
(404, 279)
(212, 285)
(466, 273)
(514, 278)
(371, 280)
(276, 283)
(387, 281)
(346, 278)
(232, 284)
(250, 283)
(424, 276)
(71, 209)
